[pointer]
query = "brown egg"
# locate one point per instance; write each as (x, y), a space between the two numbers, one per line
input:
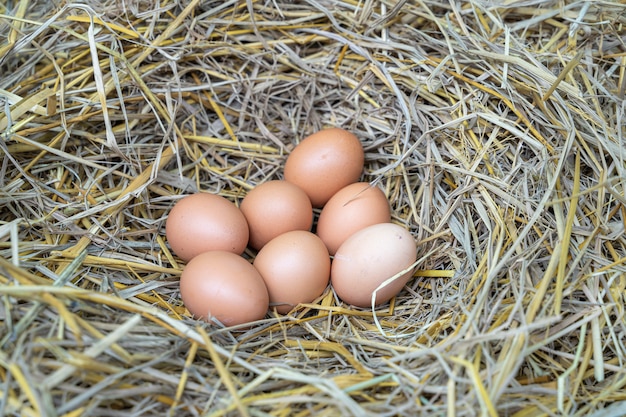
(324, 163)
(351, 209)
(223, 285)
(295, 267)
(204, 222)
(370, 257)
(273, 208)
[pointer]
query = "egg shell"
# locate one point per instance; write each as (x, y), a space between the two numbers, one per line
(295, 267)
(205, 222)
(370, 257)
(274, 208)
(325, 162)
(351, 209)
(223, 285)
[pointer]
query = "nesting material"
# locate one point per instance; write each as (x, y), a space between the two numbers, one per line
(496, 130)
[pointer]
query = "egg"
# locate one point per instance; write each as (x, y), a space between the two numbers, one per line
(370, 257)
(205, 222)
(274, 208)
(351, 209)
(225, 286)
(295, 267)
(325, 162)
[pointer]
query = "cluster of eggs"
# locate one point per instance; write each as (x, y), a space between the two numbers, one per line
(372, 258)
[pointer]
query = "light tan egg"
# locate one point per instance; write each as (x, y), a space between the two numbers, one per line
(370, 257)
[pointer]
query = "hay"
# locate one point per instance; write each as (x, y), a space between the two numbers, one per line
(496, 130)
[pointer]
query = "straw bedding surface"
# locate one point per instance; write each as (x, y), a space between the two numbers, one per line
(496, 129)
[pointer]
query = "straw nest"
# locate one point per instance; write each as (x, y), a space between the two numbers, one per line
(497, 131)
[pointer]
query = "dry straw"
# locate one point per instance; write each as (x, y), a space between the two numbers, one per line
(497, 130)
